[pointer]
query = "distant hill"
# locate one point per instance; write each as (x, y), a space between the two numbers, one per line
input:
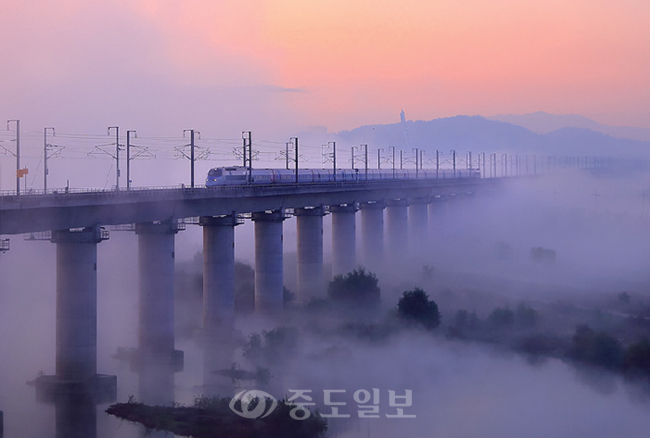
(478, 134)
(542, 122)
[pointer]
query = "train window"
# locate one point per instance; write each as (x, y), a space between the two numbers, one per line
(214, 172)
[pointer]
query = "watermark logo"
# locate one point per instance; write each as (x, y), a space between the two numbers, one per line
(336, 403)
(253, 404)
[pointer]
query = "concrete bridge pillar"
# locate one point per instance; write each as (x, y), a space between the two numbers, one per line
(218, 298)
(156, 354)
(344, 256)
(372, 237)
(418, 217)
(436, 214)
(76, 303)
(310, 253)
(397, 227)
(75, 417)
(218, 271)
(268, 261)
(76, 320)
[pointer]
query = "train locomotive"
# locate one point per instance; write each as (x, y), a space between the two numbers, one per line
(239, 175)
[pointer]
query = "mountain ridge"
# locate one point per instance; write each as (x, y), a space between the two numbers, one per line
(542, 122)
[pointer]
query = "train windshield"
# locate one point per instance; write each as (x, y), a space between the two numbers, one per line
(214, 172)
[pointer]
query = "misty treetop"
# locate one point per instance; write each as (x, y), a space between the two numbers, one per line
(358, 286)
(415, 307)
(272, 346)
(637, 358)
(542, 255)
(596, 348)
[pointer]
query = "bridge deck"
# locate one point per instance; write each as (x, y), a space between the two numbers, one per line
(41, 212)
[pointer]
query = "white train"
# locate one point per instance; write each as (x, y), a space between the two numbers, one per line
(238, 175)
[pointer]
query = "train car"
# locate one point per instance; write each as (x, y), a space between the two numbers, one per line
(239, 175)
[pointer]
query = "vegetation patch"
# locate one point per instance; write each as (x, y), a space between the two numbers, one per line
(415, 307)
(213, 418)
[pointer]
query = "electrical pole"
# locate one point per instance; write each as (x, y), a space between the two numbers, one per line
(483, 171)
(417, 162)
(286, 154)
(247, 138)
(18, 173)
(295, 140)
(437, 162)
(393, 159)
(45, 169)
(526, 164)
(379, 158)
(191, 131)
(453, 160)
(401, 160)
(365, 159)
(516, 165)
(128, 157)
(333, 156)
(117, 155)
(421, 160)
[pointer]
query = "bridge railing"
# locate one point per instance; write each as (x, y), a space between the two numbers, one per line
(156, 190)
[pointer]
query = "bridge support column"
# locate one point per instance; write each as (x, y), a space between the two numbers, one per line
(310, 253)
(372, 237)
(397, 227)
(218, 271)
(218, 297)
(268, 261)
(436, 214)
(76, 417)
(157, 358)
(76, 320)
(418, 217)
(344, 256)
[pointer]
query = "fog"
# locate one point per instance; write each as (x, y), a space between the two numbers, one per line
(478, 247)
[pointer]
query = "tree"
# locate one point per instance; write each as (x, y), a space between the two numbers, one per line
(271, 347)
(624, 298)
(415, 307)
(525, 316)
(597, 348)
(356, 287)
(542, 255)
(501, 318)
(637, 357)
(464, 320)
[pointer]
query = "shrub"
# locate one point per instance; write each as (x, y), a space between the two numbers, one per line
(637, 357)
(464, 320)
(501, 318)
(542, 255)
(596, 348)
(415, 307)
(355, 287)
(526, 316)
(272, 346)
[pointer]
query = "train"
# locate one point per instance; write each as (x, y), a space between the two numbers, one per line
(239, 175)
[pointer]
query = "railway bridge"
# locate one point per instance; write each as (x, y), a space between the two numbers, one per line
(77, 221)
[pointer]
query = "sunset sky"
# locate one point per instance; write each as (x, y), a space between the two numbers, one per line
(276, 66)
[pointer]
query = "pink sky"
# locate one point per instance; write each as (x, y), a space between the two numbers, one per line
(278, 65)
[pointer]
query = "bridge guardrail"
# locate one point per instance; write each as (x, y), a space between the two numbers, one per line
(151, 190)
